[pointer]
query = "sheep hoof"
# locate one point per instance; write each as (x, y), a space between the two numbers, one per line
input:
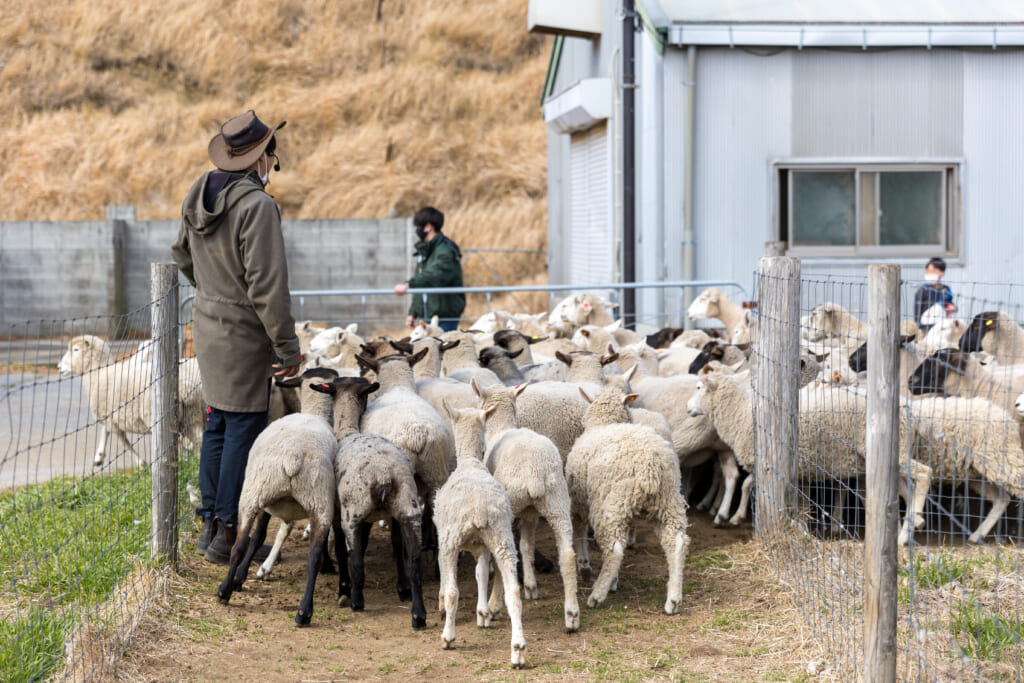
(447, 644)
(343, 601)
(593, 602)
(483, 619)
(719, 520)
(974, 538)
(671, 607)
(518, 655)
(302, 618)
(530, 593)
(262, 574)
(404, 594)
(572, 621)
(419, 623)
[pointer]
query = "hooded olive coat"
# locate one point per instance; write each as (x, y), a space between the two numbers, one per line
(231, 248)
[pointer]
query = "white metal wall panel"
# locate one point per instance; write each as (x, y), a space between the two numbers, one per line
(889, 103)
(591, 246)
(742, 120)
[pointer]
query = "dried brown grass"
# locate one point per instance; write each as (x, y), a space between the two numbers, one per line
(113, 102)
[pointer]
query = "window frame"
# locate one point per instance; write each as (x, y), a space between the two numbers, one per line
(781, 170)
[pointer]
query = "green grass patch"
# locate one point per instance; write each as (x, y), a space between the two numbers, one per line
(707, 560)
(64, 545)
(985, 636)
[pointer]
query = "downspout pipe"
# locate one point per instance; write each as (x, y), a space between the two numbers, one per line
(689, 253)
(629, 161)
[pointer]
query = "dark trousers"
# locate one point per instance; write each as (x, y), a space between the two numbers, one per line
(222, 460)
(448, 325)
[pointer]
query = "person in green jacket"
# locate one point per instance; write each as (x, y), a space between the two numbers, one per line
(230, 247)
(438, 264)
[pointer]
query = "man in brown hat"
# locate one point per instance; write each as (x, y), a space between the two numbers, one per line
(231, 248)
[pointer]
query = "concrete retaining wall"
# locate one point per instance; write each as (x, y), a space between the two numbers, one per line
(97, 272)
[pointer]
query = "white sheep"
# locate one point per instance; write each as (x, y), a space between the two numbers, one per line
(492, 321)
(423, 329)
(713, 303)
(460, 360)
(336, 346)
(972, 440)
(832, 320)
(573, 312)
(290, 475)
(529, 467)
(375, 481)
(617, 472)
(944, 334)
(473, 513)
(119, 393)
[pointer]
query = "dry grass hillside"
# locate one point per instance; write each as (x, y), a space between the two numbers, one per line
(390, 104)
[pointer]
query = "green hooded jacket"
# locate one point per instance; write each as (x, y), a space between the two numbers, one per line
(438, 264)
(233, 252)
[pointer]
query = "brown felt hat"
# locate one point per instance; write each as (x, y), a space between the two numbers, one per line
(240, 142)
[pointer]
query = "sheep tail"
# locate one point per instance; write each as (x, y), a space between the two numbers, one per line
(416, 438)
(649, 480)
(292, 463)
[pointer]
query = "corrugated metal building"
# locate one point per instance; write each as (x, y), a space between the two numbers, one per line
(854, 132)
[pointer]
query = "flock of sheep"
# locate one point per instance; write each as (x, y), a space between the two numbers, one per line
(460, 438)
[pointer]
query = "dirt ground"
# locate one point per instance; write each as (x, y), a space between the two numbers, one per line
(737, 624)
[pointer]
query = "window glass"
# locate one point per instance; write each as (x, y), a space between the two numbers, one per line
(910, 207)
(823, 208)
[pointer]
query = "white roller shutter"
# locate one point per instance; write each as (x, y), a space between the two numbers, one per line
(591, 244)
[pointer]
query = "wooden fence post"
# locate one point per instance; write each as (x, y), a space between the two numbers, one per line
(881, 502)
(777, 360)
(164, 469)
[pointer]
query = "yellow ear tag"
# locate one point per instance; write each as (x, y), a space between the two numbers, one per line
(534, 337)
(988, 322)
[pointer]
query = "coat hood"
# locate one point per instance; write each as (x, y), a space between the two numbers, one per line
(211, 196)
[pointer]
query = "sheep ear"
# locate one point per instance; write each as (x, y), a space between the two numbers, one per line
(289, 382)
(489, 410)
(476, 388)
(416, 357)
(448, 409)
(520, 388)
(323, 388)
(352, 327)
(449, 345)
(401, 346)
(615, 325)
(631, 372)
(405, 340)
(434, 321)
(534, 340)
(610, 357)
(564, 358)
(514, 354)
(585, 396)
(628, 398)
(585, 333)
(369, 389)
(609, 304)
(542, 315)
(586, 306)
(367, 363)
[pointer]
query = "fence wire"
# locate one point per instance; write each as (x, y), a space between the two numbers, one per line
(959, 593)
(76, 570)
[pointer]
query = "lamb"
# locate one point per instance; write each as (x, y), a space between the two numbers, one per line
(972, 439)
(575, 311)
(944, 334)
(460, 361)
(713, 303)
(616, 472)
(491, 322)
(437, 390)
(338, 346)
(424, 329)
(305, 331)
(119, 396)
(290, 475)
(473, 513)
(832, 320)
(995, 332)
(529, 467)
(955, 373)
(375, 481)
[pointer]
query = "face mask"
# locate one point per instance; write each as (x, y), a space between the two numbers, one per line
(265, 176)
(931, 277)
(421, 233)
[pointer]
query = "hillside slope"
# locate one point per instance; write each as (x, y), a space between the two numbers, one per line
(390, 104)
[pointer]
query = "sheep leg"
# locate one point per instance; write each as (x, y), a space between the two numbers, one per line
(327, 564)
(397, 554)
(483, 573)
(730, 474)
(448, 559)
(561, 529)
(741, 513)
(999, 498)
(675, 543)
(341, 553)
(101, 446)
(497, 594)
(838, 508)
(527, 544)
(716, 482)
(410, 538)
(275, 552)
(504, 552)
(914, 498)
(259, 535)
(582, 545)
(316, 548)
(611, 538)
(238, 551)
(356, 555)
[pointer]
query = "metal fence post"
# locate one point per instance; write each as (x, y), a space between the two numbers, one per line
(777, 370)
(164, 470)
(881, 502)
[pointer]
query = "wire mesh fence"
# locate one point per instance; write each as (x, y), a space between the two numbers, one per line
(77, 561)
(958, 593)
